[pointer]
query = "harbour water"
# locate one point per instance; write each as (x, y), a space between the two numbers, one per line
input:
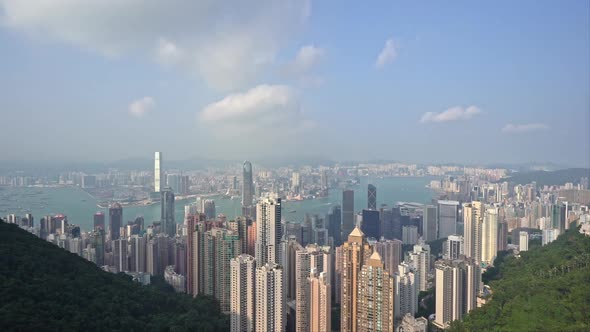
(79, 207)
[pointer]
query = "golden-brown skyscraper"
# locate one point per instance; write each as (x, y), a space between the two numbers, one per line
(355, 252)
(375, 297)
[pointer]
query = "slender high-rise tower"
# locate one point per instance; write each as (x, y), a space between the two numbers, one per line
(158, 172)
(247, 184)
(320, 309)
(227, 247)
(311, 258)
(371, 197)
(457, 285)
(429, 223)
(168, 225)
(375, 297)
(268, 231)
(115, 221)
(489, 235)
(472, 223)
(355, 252)
(406, 291)
(243, 292)
(347, 212)
(270, 299)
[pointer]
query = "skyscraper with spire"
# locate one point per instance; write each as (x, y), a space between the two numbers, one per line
(375, 297)
(355, 252)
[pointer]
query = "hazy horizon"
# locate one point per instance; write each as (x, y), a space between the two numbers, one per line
(466, 83)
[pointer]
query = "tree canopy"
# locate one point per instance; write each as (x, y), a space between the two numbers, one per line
(45, 288)
(546, 289)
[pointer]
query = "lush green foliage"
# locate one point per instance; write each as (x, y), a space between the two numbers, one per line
(546, 289)
(45, 288)
(436, 246)
(426, 303)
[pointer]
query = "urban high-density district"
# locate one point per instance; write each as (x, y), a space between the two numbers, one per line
(294, 166)
(354, 268)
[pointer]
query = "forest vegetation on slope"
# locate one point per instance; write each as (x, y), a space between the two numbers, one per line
(45, 288)
(546, 289)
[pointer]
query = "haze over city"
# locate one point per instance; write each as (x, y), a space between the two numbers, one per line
(462, 82)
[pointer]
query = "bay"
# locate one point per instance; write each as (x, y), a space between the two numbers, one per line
(80, 207)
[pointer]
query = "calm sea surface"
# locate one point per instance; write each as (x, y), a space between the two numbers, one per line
(79, 207)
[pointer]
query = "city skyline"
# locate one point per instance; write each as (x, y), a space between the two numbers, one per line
(304, 76)
(294, 165)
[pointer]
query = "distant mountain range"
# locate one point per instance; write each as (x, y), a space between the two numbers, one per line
(551, 178)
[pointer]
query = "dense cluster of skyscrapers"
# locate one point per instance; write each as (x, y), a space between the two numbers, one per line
(270, 275)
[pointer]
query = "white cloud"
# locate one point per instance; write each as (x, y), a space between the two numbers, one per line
(139, 107)
(227, 43)
(524, 128)
(451, 114)
(168, 52)
(308, 57)
(261, 114)
(387, 54)
(300, 69)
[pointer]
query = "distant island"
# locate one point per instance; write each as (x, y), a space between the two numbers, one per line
(549, 178)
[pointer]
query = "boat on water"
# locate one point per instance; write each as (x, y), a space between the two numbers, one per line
(292, 211)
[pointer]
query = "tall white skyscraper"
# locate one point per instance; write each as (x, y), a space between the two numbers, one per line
(270, 299)
(457, 285)
(243, 293)
(158, 172)
(137, 253)
(268, 231)
(406, 291)
(489, 235)
(472, 227)
(419, 259)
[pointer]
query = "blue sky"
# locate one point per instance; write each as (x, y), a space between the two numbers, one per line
(457, 82)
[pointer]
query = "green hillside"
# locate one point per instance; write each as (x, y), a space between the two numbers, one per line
(45, 288)
(547, 289)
